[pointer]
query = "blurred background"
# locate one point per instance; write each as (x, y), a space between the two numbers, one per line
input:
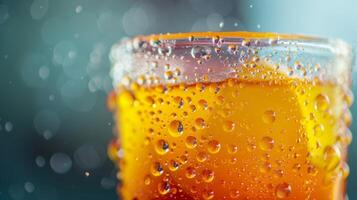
(54, 79)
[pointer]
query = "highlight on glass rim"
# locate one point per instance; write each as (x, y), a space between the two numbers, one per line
(177, 100)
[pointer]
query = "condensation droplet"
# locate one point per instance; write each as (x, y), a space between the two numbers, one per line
(345, 170)
(203, 104)
(190, 172)
(162, 147)
(232, 149)
(156, 169)
(176, 128)
(332, 157)
(202, 156)
(229, 126)
(282, 190)
(191, 142)
(207, 175)
(147, 180)
(213, 146)
(266, 143)
(200, 123)
(265, 167)
(200, 51)
(322, 102)
(164, 187)
(269, 116)
(207, 194)
(173, 165)
(233, 193)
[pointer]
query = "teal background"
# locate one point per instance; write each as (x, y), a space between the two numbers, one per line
(54, 67)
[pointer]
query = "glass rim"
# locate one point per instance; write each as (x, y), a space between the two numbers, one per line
(134, 57)
(337, 46)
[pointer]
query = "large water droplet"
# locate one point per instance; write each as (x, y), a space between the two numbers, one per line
(207, 175)
(191, 142)
(207, 194)
(332, 157)
(322, 102)
(229, 126)
(282, 190)
(163, 187)
(200, 51)
(200, 123)
(162, 147)
(173, 165)
(213, 146)
(176, 128)
(156, 169)
(202, 156)
(190, 172)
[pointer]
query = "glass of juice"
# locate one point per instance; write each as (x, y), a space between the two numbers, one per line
(233, 115)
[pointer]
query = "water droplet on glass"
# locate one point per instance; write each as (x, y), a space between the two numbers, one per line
(200, 123)
(173, 165)
(147, 180)
(234, 193)
(266, 143)
(345, 170)
(207, 194)
(162, 147)
(190, 172)
(322, 102)
(265, 167)
(203, 104)
(229, 126)
(213, 146)
(207, 175)
(165, 51)
(191, 142)
(176, 128)
(269, 116)
(332, 157)
(156, 169)
(200, 51)
(163, 187)
(232, 149)
(282, 190)
(232, 48)
(202, 156)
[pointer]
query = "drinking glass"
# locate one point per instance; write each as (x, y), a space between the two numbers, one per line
(233, 115)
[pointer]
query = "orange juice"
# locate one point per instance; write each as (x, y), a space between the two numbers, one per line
(238, 138)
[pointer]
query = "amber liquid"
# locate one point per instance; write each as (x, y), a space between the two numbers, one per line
(235, 139)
